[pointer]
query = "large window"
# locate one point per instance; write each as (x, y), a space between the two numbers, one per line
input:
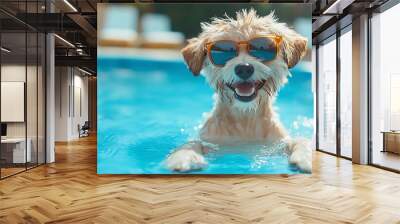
(334, 106)
(385, 89)
(327, 96)
(346, 92)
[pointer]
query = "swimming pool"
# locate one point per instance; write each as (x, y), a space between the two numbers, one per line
(147, 107)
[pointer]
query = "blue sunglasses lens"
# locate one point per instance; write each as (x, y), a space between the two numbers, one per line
(223, 51)
(263, 48)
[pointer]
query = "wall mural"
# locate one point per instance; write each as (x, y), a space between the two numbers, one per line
(205, 89)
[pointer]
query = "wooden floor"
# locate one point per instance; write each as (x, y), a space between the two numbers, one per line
(5, 172)
(387, 159)
(70, 191)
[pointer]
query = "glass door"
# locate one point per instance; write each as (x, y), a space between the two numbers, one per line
(14, 153)
(22, 77)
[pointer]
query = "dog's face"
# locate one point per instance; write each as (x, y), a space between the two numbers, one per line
(245, 82)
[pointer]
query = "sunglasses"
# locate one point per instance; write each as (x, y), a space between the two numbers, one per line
(264, 48)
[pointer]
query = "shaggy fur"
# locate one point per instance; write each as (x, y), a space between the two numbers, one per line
(232, 120)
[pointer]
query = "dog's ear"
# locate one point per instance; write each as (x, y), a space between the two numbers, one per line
(194, 55)
(294, 47)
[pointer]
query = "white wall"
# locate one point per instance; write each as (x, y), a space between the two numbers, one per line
(71, 93)
(33, 126)
(62, 82)
(12, 73)
(81, 103)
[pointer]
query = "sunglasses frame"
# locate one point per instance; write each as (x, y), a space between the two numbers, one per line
(277, 39)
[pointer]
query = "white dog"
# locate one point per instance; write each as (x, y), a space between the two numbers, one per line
(246, 61)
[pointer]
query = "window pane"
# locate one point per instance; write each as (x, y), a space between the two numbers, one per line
(327, 96)
(346, 94)
(385, 89)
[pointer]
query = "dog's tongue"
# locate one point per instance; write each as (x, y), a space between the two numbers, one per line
(244, 88)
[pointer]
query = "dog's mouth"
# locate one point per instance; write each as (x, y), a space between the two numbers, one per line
(246, 91)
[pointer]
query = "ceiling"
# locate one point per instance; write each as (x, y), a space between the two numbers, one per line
(76, 22)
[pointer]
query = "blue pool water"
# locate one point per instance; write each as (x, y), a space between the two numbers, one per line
(146, 108)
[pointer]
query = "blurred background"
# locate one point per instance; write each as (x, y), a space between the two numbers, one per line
(131, 27)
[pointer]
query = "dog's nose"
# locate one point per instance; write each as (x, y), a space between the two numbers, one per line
(244, 70)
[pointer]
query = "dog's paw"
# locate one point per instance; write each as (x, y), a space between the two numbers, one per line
(302, 158)
(184, 160)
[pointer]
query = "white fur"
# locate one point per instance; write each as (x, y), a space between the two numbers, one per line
(185, 160)
(301, 154)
